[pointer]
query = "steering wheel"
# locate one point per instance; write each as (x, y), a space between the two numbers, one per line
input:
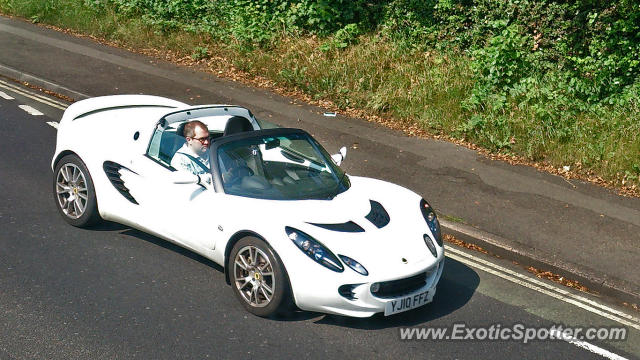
(235, 174)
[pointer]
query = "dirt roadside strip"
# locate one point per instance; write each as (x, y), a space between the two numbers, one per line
(41, 84)
(598, 282)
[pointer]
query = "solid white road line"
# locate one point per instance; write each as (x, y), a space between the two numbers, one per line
(53, 124)
(546, 285)
(30, 110)
(578, 343)
(5, 96)
(565, 298)
(587, 346)
(9, 85)
(32, 95)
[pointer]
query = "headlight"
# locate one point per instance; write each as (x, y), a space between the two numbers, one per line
(354, 265)
(432, 220)
(314, 249)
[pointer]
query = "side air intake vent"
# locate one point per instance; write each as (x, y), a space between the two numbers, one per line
(378, 215)
(113, 173)
(344, 227)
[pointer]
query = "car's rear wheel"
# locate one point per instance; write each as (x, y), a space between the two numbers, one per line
(258, 278)
(74, 193)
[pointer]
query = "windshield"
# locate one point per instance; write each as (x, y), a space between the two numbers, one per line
(281, 167)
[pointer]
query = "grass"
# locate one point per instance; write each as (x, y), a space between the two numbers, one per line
(397, 84)
(373, 74)
(452, 218)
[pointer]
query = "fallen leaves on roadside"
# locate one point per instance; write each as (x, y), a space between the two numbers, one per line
(42, 90)
(453, 240)
(633, 306)
(559, 279)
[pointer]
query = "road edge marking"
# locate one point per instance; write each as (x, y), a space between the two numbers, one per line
(531, 286)
(558, 289)
(33, 96)
(587, 346)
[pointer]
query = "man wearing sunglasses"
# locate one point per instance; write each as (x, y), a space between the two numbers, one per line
(193, 156)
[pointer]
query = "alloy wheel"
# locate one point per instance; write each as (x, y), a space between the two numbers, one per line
(71, 190)
(254, 276)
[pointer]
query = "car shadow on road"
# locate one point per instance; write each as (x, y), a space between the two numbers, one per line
(108, 226)
(295, 315)
(457, 285)
(169, 246)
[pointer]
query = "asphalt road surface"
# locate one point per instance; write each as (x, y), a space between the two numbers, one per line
(116, 293)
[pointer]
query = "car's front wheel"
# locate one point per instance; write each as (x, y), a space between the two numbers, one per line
(258, 278)
(74, 193)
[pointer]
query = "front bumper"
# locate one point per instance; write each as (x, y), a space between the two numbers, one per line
(325, 296)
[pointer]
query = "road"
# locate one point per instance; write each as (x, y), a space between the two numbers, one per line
(114, 292)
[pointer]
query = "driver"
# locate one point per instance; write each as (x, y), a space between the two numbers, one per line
(193, 156)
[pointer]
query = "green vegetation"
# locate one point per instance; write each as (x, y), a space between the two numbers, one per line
(546, 79)
(452, 218)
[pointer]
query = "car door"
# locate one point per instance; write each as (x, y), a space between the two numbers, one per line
(170, 207)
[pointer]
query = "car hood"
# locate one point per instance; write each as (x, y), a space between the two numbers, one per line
(393, 247)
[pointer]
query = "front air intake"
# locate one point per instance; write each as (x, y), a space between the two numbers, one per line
(401, 287)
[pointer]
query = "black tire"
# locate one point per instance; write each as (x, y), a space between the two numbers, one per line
(74, 193)
(258, 302)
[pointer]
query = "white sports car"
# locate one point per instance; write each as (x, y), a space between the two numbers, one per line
(286, 223)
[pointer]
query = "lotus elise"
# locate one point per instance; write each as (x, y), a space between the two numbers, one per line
(287, 224)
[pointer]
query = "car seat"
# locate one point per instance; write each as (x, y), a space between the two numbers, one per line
(237, 124)
(169, 145)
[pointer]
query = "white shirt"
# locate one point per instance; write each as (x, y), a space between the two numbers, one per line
(185, 159)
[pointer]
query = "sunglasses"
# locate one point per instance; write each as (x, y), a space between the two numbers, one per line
(202, 140)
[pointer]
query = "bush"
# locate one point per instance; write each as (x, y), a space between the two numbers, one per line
(592, 47)
(551, 79)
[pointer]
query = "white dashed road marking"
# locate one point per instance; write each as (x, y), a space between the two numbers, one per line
(30, 110)
(32, 95)
(5, 96)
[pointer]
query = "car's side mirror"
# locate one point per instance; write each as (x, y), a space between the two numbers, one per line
(340, 156)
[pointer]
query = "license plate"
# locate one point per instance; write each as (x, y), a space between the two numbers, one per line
(407, 303)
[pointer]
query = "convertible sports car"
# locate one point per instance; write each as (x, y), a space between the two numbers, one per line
(288, 225)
